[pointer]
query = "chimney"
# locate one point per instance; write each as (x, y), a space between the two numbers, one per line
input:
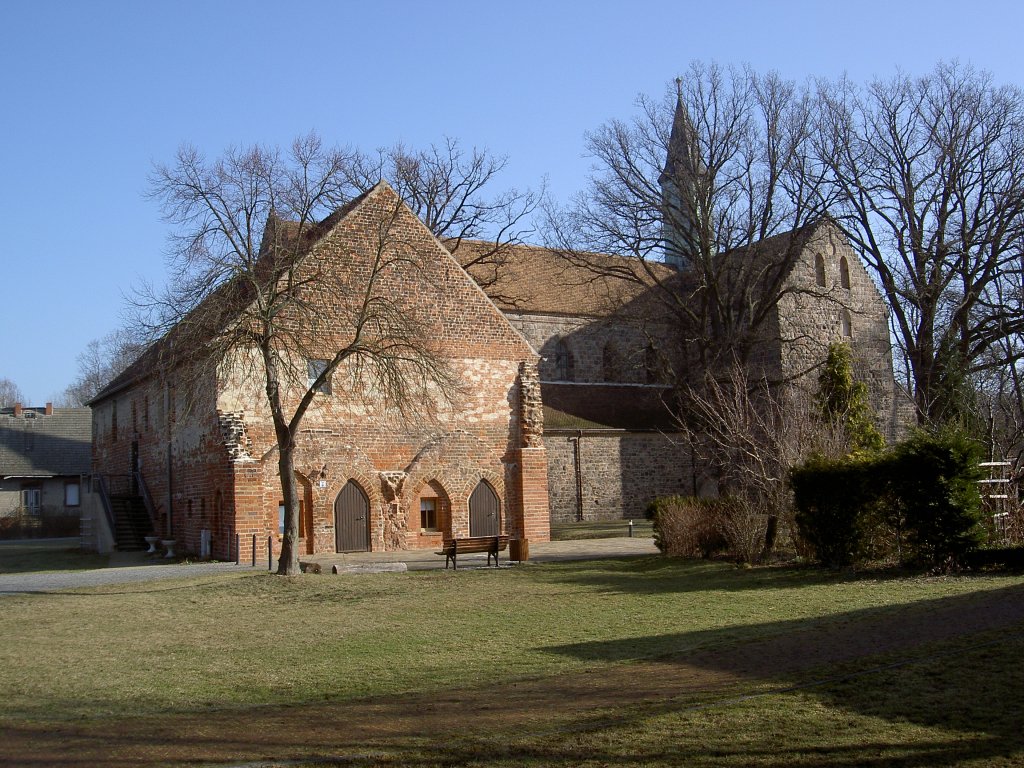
(17, 410)
(49, 409)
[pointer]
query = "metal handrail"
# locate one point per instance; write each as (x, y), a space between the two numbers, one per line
(105, 501)
(147, 500)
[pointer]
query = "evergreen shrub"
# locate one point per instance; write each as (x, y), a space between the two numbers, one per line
(831, 497)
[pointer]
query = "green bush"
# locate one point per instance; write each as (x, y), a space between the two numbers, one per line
(925, 491)
(831, 497)
(933, 478)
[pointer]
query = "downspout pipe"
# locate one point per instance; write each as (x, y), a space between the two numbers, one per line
(170, 459)
(577, 466)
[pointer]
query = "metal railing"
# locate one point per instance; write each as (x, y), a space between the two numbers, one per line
(147, 500)
(100, 482)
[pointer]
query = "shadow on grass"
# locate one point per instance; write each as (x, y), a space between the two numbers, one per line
(950, 664)
(853, 689)
(783, 646)
(658, 574)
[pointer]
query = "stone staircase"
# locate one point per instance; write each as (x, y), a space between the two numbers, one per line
(131, 522)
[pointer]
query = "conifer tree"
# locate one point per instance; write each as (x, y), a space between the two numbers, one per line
(842, 401)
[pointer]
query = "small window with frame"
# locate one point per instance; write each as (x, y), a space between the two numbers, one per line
(428, 515)
(316, 368)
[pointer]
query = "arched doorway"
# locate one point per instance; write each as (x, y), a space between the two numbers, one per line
(351, 519)
(484, 511)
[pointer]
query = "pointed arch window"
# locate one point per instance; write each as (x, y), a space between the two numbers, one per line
(654, 368)
(611, 363)
(563, 362)
(819, 270)
(844, 273)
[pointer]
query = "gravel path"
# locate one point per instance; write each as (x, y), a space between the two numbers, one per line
(60, 581)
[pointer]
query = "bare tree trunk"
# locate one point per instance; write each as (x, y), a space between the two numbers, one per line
(288, 565)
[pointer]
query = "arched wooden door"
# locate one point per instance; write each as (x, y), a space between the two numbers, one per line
(352, 519)
(484, 511)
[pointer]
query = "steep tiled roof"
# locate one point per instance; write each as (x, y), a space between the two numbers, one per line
(35, 444)
(543, 280)
(604, 406)
(528, 278)
(222, 305)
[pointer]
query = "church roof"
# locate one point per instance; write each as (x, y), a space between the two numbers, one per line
(221, 305)
(534, 279)
(283, 242)
(682, 159)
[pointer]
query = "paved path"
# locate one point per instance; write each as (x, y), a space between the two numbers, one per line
(136, 568)
(546, 552)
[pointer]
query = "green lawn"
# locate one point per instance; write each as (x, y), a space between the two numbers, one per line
(25, 555)
(533, 652)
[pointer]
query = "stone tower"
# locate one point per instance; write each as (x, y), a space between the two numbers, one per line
(683, 185)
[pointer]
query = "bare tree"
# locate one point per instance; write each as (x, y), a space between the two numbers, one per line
(246, 292)
(749, 434)
(926, 177)
(732, 203)
(10, 394)
(98, 364)
(450, 190)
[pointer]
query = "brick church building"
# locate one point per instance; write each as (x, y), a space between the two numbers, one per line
(560, 414)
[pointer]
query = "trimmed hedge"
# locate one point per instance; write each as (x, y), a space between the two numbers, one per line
(925, 490)
(831, 496)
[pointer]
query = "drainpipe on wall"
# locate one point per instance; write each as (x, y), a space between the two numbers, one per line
(579, 473)
(170, 456)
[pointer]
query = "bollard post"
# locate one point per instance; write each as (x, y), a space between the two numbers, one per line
(631, 529)
(254, 550)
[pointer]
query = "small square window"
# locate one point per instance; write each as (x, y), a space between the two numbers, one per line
(315, 368)
(428, 515)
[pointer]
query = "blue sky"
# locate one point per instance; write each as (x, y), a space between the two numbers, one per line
(93, 93)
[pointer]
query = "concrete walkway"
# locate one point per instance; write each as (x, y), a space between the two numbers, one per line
(546, 552)
(134, 567)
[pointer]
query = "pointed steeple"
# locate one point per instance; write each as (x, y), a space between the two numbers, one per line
(683, 157)
(682, 176)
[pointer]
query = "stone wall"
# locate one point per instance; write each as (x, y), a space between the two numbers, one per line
(848, 308)
(587, 339)
(621, 473)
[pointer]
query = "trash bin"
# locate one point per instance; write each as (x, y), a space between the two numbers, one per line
(519, 549)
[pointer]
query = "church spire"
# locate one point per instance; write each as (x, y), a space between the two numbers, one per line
(680, 180)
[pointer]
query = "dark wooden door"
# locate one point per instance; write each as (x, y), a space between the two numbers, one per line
(352, 519)
(135, 467)
(484, 511)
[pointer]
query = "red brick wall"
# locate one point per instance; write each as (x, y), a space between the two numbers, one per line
(228, 446)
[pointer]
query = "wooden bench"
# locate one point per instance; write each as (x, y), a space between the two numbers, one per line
(492, 545)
